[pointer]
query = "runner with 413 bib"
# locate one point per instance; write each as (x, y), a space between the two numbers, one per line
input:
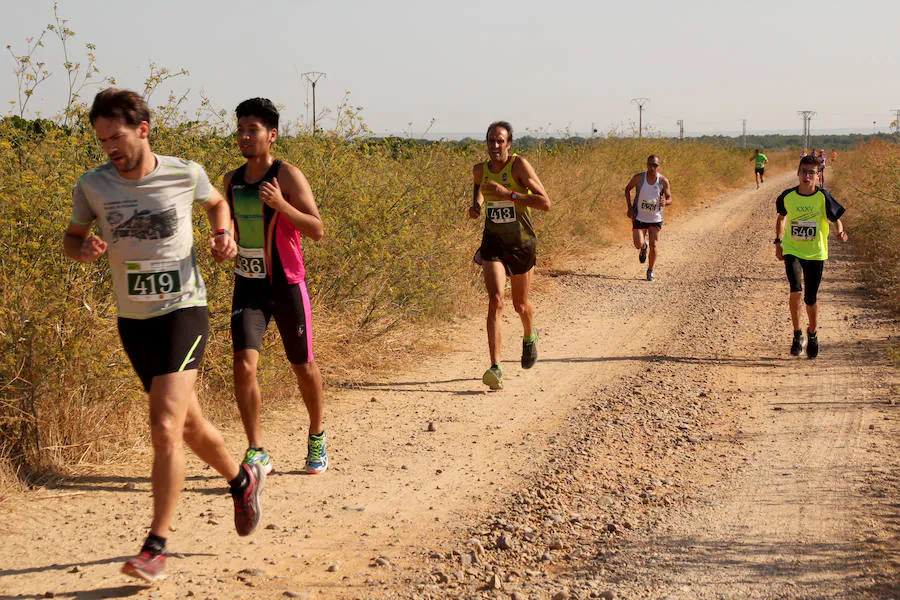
(508, 188)
(273, 207)
(801, 241)
(141, 204)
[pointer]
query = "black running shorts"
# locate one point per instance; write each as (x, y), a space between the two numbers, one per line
(256, 301)
(518, 259)
(761, 170)
(811, 273)
(635, 224)
(170, 343)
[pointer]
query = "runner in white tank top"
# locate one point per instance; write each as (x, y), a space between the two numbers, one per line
(645, 210)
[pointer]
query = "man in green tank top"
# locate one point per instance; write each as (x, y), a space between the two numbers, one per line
(508, 188)
(759, 161)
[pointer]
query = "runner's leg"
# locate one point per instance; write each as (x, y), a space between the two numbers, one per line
(206, 441)
(637, 236)
(653, 233)
(169, 401)
(812, 313)
(795, 301)
(246, 391)
(495, 283)
(521, 285)
(309, 380)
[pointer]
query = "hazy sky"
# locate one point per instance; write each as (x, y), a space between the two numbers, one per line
(546, 66)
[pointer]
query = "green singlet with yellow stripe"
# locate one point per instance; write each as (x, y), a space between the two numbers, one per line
(507, 219)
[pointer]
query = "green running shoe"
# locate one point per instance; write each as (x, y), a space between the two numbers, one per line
(316, 457)
(255, 456)
(529, 350)
(493, 378)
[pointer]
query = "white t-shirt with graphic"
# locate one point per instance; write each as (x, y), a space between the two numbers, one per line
(148, 227)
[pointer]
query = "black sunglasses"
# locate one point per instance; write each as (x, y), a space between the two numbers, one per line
(652, 164)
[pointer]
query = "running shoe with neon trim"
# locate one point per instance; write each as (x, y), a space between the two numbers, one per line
(247, 509)
(643, 255)
(798, 344)
(529, 350)
(258, 455)
(316, 456)
(493, 378)
(812, 346)
(147, 566)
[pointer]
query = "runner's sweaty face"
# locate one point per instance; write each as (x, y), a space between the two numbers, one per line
(498, 144)
(253, 137)
(122, 143)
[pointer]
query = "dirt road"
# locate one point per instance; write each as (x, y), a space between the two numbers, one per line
(664, 446)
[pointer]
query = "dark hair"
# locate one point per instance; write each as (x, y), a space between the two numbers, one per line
(651, 157)
(809, 159)
(259, 107)
(113, 103)
(497, 124)
(757, 150)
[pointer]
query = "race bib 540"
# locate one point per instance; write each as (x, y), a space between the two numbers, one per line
(804, 230)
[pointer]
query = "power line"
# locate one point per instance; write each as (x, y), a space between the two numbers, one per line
(313, 77)
(640, 103)
(807, 117)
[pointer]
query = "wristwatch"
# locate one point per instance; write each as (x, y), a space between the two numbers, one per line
(513, 196)
(777, 241)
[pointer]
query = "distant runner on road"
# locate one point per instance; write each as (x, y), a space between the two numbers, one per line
(141, 203)
(823, 159)
(801, 241)
(508, 188)
(646, 210)
(759, 169)
(273, 208)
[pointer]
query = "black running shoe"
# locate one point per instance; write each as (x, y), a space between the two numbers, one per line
(643, 255)
(812, 348)
(798, 344)
(529, 351)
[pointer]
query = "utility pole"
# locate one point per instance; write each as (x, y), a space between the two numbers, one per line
(680, 129)
(640, 103)
(896, 121)
(743, 133)
(807, 117)
(313, 77)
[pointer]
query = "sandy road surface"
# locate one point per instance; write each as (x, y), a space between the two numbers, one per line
(664, 445)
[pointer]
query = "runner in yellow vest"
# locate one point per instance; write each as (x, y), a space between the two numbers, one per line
(801, 241)
(508, 188)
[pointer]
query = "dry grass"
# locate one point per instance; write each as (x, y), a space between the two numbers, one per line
(394, 266)
(867, 182)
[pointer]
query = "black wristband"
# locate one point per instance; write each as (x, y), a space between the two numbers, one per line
(777, 241)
